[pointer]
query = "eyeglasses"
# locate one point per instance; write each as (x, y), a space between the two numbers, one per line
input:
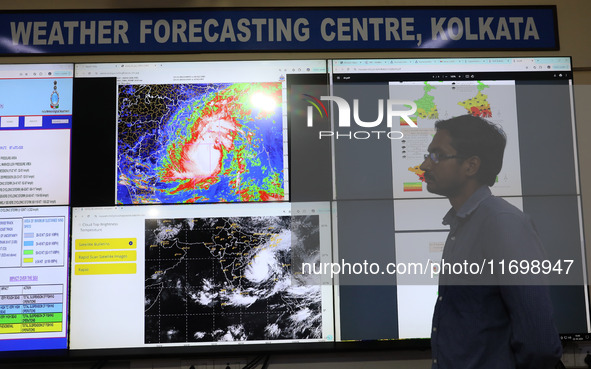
(436, 157)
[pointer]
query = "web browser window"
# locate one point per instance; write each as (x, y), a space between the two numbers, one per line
(381, 193)
(201, 132)
(199, 275)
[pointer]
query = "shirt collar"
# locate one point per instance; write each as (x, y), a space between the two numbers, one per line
(469, 206)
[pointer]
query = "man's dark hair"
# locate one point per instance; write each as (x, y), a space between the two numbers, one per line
(475, 136)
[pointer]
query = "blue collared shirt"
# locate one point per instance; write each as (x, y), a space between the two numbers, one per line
(492, 325)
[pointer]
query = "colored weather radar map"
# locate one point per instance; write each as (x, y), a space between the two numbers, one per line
(427, 109)
(440, 100)
(191, 143)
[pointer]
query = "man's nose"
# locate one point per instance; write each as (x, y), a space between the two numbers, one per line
(425, 165)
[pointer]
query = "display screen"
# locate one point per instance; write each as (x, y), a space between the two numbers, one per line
(198, 275)
(35, 134)
(200, 132)
(380, 192)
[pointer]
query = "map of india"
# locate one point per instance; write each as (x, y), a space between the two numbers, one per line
(189, 143)
(229, 279)
(478, 105)
(426, 107)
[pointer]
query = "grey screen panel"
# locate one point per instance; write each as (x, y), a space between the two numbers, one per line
(310, 157)
(546, 139)
(366, 234)
(363, 167)
(569, 308)
(368, 312)
(557, 221)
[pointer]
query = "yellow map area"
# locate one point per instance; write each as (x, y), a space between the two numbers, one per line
(417, 170)
(478, 105)
(428, 114)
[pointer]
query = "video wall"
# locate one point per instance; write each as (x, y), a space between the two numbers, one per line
(201, 204)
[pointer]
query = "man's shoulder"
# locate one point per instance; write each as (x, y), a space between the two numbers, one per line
(494, 205)
(501, 218)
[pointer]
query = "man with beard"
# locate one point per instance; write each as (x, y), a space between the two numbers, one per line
(485, 322)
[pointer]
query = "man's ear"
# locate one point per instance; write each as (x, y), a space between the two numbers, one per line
(471, 165)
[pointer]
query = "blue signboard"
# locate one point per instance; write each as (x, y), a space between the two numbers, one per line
(281, 29)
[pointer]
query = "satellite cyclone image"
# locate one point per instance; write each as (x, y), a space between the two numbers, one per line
(230, 279)
(191, 143)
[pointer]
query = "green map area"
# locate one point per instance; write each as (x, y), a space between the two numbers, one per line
(426, 107)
